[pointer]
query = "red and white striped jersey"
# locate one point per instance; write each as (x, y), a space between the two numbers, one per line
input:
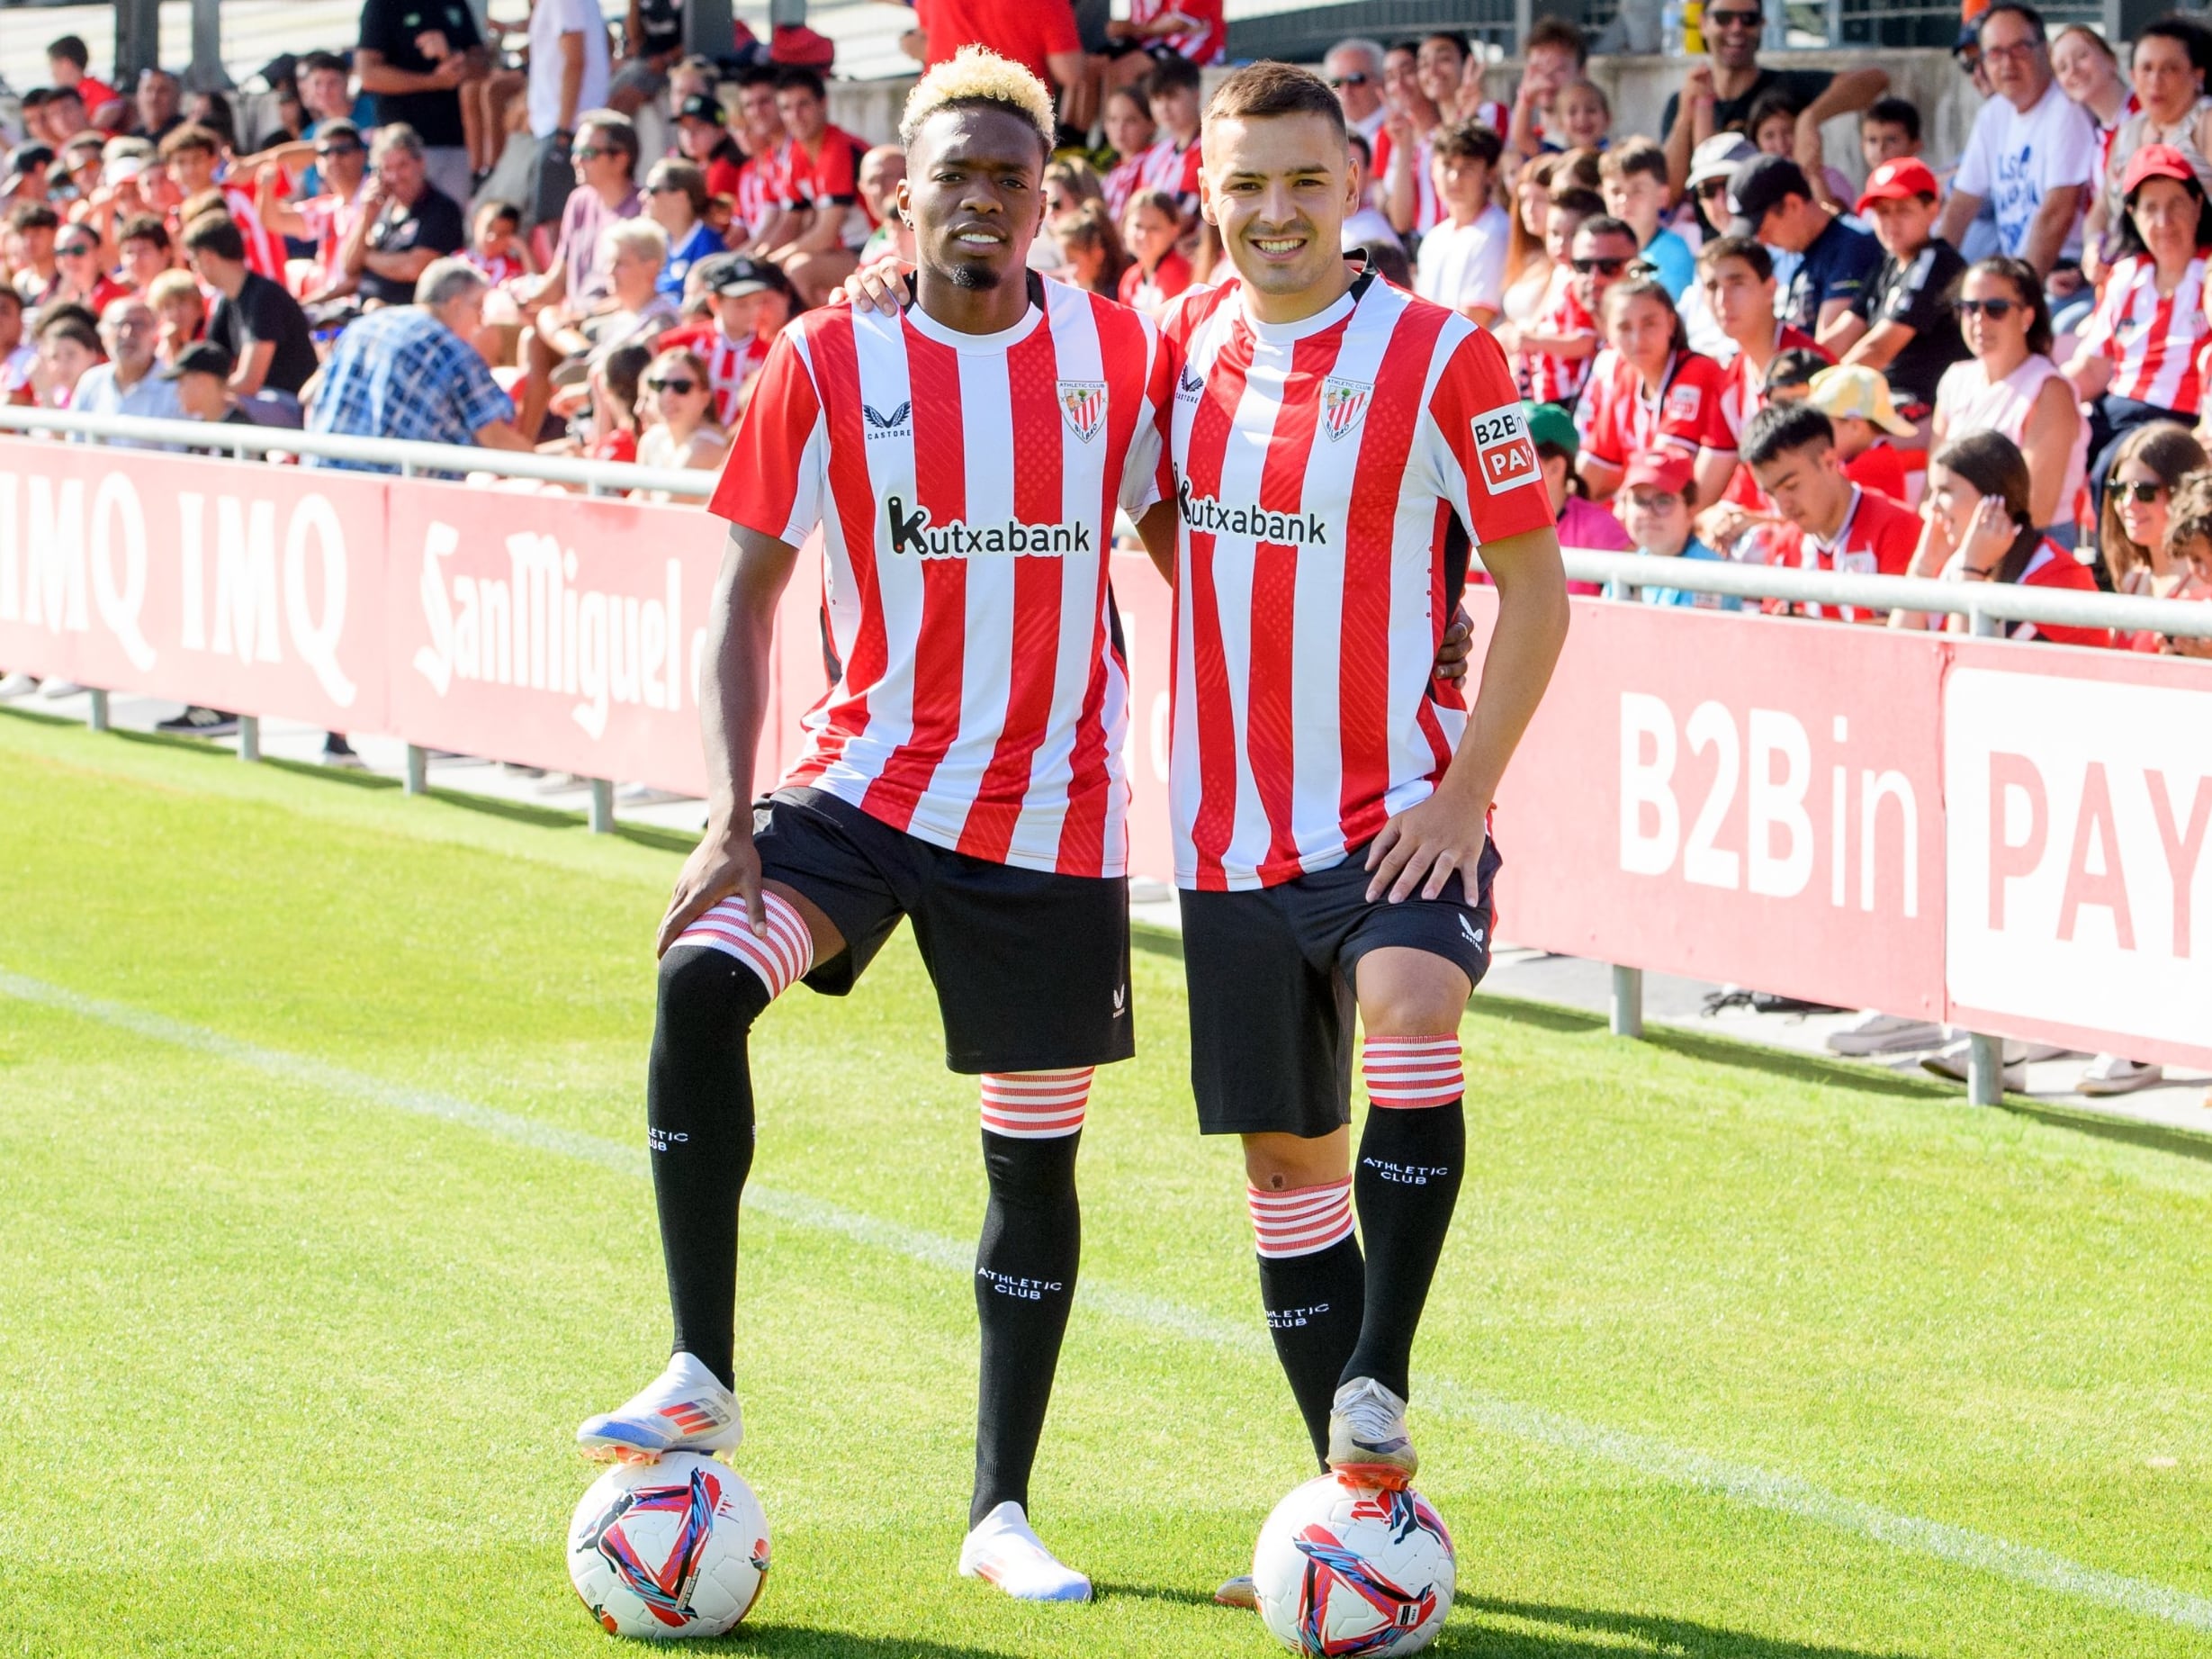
(1161, 166)
(729, 364)
(1202, 45)
(1321, 468)
(763, 190)
(1617, 417)
(264, 249)
(1428, 211)
(2151, 338)
(330, 219)
(966, 487)
(1743, 390)
(1547, 379)
(1125, 180)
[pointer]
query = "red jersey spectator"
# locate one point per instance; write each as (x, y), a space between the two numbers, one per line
(1855, 400)
(1193, 28)
(702, 138)
(1130, 130)
(1158, 271)
(1649, 391)
(1037, 34)
(1832, 524)
(65, 61)
(821, 176)
(194, 154)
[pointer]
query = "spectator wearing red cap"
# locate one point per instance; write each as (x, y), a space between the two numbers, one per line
(2169, 60)
(2138, 360)
(1649, 391)
(1832, 524)
(1901, 322)
(1982, 527)
(1658, 497)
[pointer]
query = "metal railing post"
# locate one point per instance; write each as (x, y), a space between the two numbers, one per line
(1982, 625)
(96, 718)
(417, 770)
(1985, 1071)
(1627, 1001)
(602, 806)
(249, 737)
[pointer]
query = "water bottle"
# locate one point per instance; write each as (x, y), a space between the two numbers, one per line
(1674, 29)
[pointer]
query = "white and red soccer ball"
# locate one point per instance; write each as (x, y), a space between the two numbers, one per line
(1348, 1570)
(668, 1549)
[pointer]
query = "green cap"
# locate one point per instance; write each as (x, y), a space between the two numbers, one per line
(1547, 423)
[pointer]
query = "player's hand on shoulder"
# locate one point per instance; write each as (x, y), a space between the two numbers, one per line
(725, 862)
(878, 287)
(1419, 850)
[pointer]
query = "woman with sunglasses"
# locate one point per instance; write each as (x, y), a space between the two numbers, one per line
(1649, 391)
(675, 428)
(1978, 525)
(2137, 360)
(2009, 384)
(2138, 510)
(83, 274)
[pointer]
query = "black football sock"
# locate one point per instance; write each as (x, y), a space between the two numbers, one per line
(1025, 1282)
(699, 1126)
(1312, 1296)
(1406, 1181)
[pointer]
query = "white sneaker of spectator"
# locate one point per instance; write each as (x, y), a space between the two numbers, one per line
(2109, 1074)
(1885, 1033)
(2017, 1057)
(18, 684)
(60, 688)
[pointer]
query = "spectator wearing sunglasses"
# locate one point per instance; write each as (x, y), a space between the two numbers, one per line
(2032, 152)
(82, 278)
(1717, 94)
(676, 416)
(676, 201)
(1355, 68)
(326, 221)
(1553, 349)
(2138, 512)
(2137, 361)
(2008, 384)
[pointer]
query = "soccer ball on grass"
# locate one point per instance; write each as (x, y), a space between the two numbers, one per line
(1343, 1569)
(668, 1549)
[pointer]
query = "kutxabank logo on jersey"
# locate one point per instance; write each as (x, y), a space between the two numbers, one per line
(1210, 517)
(912, 533)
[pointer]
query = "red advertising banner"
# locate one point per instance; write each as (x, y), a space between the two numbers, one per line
(240, 585)
(2009, 838)
(1735, 799)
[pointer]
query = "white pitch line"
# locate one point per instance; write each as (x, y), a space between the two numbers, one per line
(1658, 1459)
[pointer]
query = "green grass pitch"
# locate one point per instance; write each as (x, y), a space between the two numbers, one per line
(1731, 1354)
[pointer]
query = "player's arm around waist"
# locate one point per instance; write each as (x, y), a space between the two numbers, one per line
(741, 627)
(1419, 849)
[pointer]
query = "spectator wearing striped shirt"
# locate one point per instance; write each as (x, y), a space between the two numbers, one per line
(2137, 361)
(194, 155)
(1130, 130)
(1552, 352)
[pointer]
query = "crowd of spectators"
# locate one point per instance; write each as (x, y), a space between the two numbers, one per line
(580, 239)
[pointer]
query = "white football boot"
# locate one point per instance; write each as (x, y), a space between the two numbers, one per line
(1368, 1441)
(684, 1409)
(1005, 1550)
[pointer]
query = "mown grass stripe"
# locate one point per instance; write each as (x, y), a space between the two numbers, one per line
(1642, 1454)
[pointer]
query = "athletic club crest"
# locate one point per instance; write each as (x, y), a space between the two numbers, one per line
(1084, 403)
(1343, 405)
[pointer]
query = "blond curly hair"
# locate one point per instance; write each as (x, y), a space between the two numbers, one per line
(977, 75)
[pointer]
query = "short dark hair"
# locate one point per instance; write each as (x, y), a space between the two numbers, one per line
(70, 49)
(1894, 112)
(191, 135)
(1180, 73)
(70, 321)
(500, 212)
(315, 62)
(33, 216)
(1361, 147)
(801, 79)
(618, 130)
(1781, 426)
(217, 234)
(60, 93)
(1604, 224)
(1556, 32)
(2020, 9)
(1390, 262)
(757, 75)
(2195, 39)
(1470, 140)
(1635, 155)
(1768, 104)
(144, 228)
(1747, 249)
(1793, 368)
(1458, 40)
(1267, 88)
(2028, 287)
(1576, 198)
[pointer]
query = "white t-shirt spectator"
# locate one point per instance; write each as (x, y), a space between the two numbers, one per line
(549, 21)
(2013, 161)
(99, 392)
(1465, 264)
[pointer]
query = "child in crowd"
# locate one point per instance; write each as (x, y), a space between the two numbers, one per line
(1658, 497)
(1889, 130)
(2189, 546)
(1554, 57)
(1649, 391)
(1634, 174)
(1585, 116)
(1552, 353)
(751, 301)
(1582, 522)
(1172, 95)
(1129, 132)
(1777, 129)
(1462, 261)
(1856, 402)
(495, 242)
(1158, 270)
(1902, 322)
(1789, 377)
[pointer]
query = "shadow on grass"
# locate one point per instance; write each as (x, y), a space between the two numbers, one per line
(346, 775)
(796, 1640)
(1570, 1632)
(1153, 1592)
(1156, 942)
(37, 717)
(2158, 1137)
(660, 839)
